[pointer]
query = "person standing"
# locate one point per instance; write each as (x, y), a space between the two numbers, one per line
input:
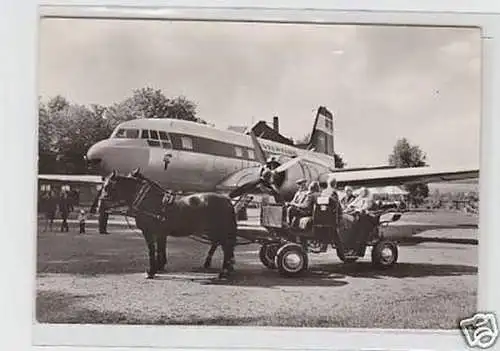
(82, 217)
(103, 214)
(103, 220)
(49, 206)
(64, 209)
(331, 192)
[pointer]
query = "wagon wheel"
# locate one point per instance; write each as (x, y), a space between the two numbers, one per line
(267, 254)
(384, 254)
(291, 260)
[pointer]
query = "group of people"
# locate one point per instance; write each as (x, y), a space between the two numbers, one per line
(304, 199)
(63, 203)
(302, 204)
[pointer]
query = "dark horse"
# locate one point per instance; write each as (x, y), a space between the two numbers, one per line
(159, 214)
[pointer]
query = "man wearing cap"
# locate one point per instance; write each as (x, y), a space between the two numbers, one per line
(297, 198)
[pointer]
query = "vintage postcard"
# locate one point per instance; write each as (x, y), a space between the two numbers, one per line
(257, 174)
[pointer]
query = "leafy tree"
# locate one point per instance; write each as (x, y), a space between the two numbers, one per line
(405, 155)
(77, 129)
(66, 131)
(65, 134)
(152, 103)
(57, 104)
(46, 154)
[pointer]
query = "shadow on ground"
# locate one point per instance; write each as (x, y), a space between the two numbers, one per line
(401, 270)
(330, 274)
(58, 307)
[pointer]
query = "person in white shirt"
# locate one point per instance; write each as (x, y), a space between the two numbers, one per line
(364, 202)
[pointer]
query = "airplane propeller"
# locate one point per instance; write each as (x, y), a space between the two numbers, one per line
(271, 174)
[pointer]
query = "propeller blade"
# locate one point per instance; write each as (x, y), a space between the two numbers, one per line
(288, 164)
(260, 155)
(245, 188)
(316, 160)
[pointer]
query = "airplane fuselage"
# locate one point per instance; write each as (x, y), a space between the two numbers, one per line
(200, 157)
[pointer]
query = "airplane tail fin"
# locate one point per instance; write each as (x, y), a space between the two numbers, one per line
(321, 139)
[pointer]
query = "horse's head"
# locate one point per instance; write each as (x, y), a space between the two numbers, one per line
(119, 190)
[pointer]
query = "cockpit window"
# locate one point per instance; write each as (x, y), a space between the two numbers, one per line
(163, 135)
(145, 134)
(153, 134)
(124, 133)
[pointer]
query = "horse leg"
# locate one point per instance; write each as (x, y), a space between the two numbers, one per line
(228, 248)
(208, 260)
(161, 252)
(150, 242)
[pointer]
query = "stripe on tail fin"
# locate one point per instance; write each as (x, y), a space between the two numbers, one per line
(322, 134)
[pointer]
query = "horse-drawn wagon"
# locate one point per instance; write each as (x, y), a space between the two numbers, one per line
(211, 217)
(349, 234)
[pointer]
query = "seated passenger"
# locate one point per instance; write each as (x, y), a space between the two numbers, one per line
(297, 198)
(305, 207)
(364, 202)
(348, 198)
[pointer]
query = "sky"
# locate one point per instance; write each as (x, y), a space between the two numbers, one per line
(381, 82)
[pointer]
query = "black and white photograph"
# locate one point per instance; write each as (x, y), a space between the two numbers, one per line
(225, 173)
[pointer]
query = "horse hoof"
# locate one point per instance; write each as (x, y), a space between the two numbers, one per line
(224, 274)
(207, 265)
(149, 275)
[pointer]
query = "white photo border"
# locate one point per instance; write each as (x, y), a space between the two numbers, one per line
(20, 181)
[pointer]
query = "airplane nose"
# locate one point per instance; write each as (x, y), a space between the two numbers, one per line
(95, 155)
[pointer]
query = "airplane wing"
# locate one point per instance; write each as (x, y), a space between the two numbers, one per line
(368, 177)
(71, 178)
(401, 176)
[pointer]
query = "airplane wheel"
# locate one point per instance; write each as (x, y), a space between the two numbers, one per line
(267, 255)
(384, 254)
(291, 260)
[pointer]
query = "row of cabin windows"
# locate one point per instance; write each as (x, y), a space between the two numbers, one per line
(160, 138)
(238, 151)
(153, 137)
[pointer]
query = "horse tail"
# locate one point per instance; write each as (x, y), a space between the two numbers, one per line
(232, 232)
(233, 225)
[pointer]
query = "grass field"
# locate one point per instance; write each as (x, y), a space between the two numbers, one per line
(96, 278)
